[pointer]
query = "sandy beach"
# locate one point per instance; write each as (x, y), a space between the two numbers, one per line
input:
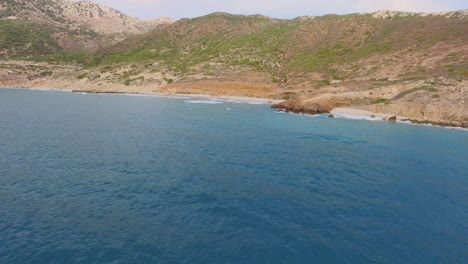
(361, 114)
(227, 98)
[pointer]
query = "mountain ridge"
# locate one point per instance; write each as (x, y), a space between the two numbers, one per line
(301, 45)
(392, 14)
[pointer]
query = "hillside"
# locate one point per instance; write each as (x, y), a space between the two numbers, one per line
(295, 51)
(47, 27)
(406, 64)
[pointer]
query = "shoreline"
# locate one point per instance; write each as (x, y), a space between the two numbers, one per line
(364, 115)
(221, 98)
(359, 114)
(339, 112)
(355, 113)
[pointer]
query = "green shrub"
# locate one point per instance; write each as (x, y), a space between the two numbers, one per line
(288, 96)
(382, 101)
(81, 76)
(168, 80)
(323, 83)
(46, 73)
(431, 89)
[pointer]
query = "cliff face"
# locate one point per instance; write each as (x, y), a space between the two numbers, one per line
(444, 115)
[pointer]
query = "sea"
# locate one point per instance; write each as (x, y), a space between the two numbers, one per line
(87, 178)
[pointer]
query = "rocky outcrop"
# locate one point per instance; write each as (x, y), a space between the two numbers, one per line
(321, 104)
(447, 115)
(445, 103)
(455, 115)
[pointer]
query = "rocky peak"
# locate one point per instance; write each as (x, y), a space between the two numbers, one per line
(53, 26)
(99, 18)
(389, 14)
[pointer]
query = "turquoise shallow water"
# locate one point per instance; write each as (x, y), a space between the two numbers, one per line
(128, 179)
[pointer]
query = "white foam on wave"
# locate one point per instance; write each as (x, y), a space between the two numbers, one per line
(432, 125)
(234, 101)
(172, 96)
(222, 101)
(407, 122)
(458, 128)
(154, 95)
(136, 95)
(299, 114)
(231, 101)
(203, 102)
(257, 103)
(358, 117)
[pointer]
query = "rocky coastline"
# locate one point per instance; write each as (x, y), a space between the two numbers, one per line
(437, 101)
(316, 109)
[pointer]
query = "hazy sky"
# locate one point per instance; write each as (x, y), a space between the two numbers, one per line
(274, 8)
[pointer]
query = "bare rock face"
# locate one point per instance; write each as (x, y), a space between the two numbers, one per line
(98, 18)
(296, 106)
(388, 14)
(105, 20)
(446, 114)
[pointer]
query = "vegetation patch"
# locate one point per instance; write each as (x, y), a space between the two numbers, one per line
(463, 73)
(323, 83)
(127, 82)
(382, 101)
(287, 96)
(168, 80)
(24, 38)
(95, 77)
(81, 75)
(46, 73)
(431, 89)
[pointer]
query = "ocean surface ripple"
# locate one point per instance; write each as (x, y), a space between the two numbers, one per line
(125, 179)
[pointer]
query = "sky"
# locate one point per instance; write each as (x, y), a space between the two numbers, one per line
(146, 9)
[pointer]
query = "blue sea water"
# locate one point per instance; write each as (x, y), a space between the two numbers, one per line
(130, 179)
